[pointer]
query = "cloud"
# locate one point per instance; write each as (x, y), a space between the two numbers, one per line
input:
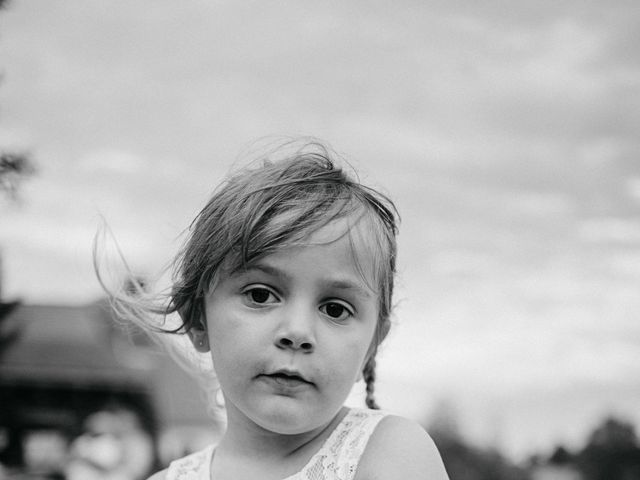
(610, 229)
(633, 188)
(114, 162)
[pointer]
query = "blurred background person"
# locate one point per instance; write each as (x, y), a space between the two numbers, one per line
(112, 446)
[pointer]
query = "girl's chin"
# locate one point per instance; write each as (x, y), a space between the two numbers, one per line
(291, 419)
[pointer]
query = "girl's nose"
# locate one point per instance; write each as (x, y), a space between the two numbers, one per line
(296, 333)
(291, 342)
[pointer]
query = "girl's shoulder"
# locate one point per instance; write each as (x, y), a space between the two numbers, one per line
(400, 448)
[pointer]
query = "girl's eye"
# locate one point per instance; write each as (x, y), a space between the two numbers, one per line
(260, 296)
(336, 311)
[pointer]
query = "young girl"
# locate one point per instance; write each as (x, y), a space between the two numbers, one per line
(287, 279)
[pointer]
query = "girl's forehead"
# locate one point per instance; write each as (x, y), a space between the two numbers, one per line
(359, 244)
(361, 249)
(333, 231)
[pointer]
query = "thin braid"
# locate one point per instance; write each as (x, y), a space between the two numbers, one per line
(369, 376)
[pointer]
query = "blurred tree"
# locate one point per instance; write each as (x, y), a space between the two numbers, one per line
(464, 461)
(614, 434)
(561, 456)
(443, 422)
(14, 167)
(612, 452)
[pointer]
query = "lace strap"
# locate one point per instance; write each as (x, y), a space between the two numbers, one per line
(192, 467)
(339, 457)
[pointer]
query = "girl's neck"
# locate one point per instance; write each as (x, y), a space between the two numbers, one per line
(244, 438)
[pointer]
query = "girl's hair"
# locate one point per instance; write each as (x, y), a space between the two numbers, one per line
(276, 205)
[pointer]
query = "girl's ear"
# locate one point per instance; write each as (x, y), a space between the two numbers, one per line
(199, 338)
(198, 335)
(198, 331)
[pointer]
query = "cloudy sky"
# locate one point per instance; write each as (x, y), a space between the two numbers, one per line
(507, 133)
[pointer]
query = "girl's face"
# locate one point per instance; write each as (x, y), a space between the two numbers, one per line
(289, 335)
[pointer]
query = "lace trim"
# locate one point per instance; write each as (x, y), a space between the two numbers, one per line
(337, 459)
(192, 467)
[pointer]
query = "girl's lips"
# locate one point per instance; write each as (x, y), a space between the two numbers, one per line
(286, 379)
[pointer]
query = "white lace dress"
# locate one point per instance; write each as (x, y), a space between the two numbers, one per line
(337, 459)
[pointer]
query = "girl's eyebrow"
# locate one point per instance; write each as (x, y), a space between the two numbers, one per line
(337, 284)
(350, 286)
(268, 269)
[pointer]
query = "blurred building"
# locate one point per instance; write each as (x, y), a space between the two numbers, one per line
(61, 366)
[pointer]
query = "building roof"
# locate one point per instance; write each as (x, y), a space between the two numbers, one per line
(69, 344)
(81, 347)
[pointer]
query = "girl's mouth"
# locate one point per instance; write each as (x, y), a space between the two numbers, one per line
(286, 379)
